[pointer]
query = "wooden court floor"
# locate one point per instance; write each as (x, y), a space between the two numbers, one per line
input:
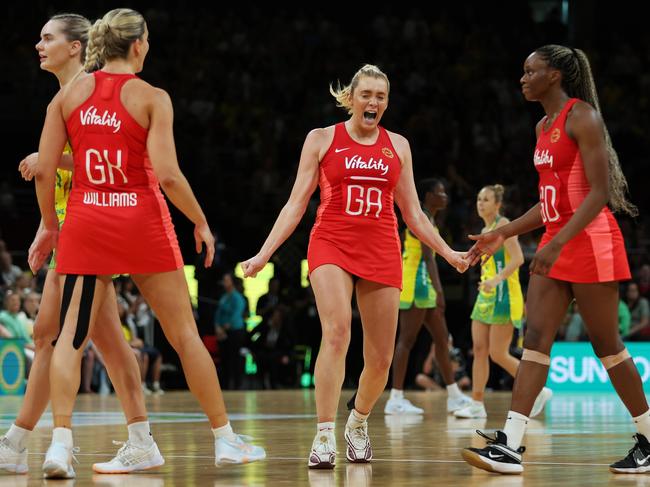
(571, 445)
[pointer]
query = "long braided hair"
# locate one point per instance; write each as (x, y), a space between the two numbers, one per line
(578, 82)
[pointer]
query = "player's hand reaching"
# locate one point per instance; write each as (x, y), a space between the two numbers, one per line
(252, 266)
(28, 165)
(44, 242)
(458, 260)
(203, 235)
(486, 244)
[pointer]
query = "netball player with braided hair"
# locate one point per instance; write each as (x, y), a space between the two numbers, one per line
(354, 245)
(581, 255)
(61, 51)
(120, 130)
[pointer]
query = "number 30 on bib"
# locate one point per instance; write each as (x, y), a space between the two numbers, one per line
(548, 202)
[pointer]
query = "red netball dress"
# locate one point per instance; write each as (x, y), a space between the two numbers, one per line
(597, 253)
(356, 227)
(117, 219)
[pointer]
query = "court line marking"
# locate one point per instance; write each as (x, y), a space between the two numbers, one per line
(383, 460)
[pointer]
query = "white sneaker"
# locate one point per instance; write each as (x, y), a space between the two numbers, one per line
(236, 450)
(538, 406)
(456, 403)
(11, 459)
(132, 458)
(58, 462)
(474, 410)
(401, 406)
(145, 390)
(157, 390)
(359, 449)
(323, 451)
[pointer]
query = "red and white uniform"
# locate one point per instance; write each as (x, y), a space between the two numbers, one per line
(117, 220)
(356, 227)
(597, 253)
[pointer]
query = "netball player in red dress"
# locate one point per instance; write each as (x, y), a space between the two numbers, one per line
(581, 255)
(354, 244)
(62, 51)
(120, 130)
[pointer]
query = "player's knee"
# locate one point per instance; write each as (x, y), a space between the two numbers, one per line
(43, 338)
(612, 360)
(480, 350)
(535, 356)
(535, 339)
(498, 355)
(606, 345)
(337, 338)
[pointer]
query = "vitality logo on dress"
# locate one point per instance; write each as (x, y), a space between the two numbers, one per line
(90, 117)
(357, 163)
(542, 158)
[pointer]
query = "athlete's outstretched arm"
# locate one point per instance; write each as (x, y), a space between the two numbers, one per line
(27, 166)
(294, 209)
(53, 139)
(162, 153)
(407, 200)
(488, 243)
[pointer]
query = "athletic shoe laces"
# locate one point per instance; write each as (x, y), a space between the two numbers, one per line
(359, 436)
(499, 439)
(129, 454)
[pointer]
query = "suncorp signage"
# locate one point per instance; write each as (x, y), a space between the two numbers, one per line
(575, 367)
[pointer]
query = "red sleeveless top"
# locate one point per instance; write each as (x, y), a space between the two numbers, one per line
(356, 226)
(597, 253)
(117, 220)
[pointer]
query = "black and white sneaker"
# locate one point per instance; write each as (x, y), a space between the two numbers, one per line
(497, 456)
(637, 459)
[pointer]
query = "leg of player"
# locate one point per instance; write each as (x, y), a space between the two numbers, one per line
(82, 298)
(480, 371)
(598, 305)
(548, 300)
(13, 446)
(436, 323)
(379, 307)
(410, 322)
(333, 289)
(140, 452)
(168, 296)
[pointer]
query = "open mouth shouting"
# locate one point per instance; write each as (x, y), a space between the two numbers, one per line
(369, 116)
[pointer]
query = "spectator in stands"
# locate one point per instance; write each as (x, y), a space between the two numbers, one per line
(639, 312)
(8, 271)
(229, 322)
(272, 345)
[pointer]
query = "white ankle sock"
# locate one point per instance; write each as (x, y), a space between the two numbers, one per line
(453, 391)
(515, 428)
(642, 424)
(18, 436)
(396, 394)
(224, 431)
(356, 418)
(140, 434)
(62, 435)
